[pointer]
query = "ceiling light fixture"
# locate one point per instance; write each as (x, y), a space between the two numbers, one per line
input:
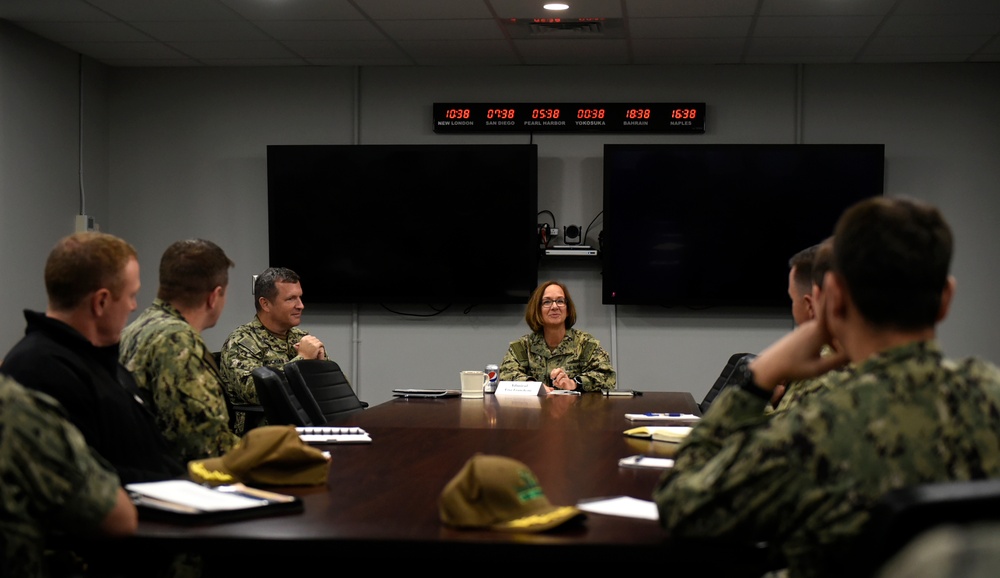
(552, 6)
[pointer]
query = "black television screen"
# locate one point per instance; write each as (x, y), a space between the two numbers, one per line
(408, 224)
(715, 225)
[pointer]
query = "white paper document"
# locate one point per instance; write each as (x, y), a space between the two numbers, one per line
(666, 416)
(191, 495)
(622, 506)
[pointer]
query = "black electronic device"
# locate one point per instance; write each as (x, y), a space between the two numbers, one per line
(715, 225)
(616, 117)
(406, 224)
(572, 235)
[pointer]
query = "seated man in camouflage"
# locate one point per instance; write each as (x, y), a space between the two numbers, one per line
(173, 366)
(805, 479)
(52, 483)
(272, 338)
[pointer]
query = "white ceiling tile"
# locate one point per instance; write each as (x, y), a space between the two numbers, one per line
(465, 29)
(719, 27)
(87, 31)
(166, 9)
(297, 10)
(679, 8)
(231, 50)
(423, 9)
(194, 31)
(826, 7)
(319, 30)
(816, 26)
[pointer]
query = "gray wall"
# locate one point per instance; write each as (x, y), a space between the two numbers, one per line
(181, 153)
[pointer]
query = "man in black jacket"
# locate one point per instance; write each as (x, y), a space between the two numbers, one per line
(71, 353)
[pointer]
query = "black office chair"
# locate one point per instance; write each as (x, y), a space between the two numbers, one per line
(280, 403)
(327, 386)
(725, 378)
(902, 515)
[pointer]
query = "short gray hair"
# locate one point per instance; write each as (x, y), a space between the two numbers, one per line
(266, 284)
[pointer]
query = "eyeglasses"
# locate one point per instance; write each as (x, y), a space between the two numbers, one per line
(550, 303)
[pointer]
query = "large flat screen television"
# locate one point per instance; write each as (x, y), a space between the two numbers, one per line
(714, 225)
(406, 224)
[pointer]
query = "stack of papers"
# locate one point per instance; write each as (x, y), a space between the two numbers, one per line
(333, 435)
(186, 501)
(673, 434)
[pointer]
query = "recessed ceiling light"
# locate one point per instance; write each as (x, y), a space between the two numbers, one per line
(556, 6)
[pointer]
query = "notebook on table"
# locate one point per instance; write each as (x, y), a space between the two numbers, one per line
(673, 434)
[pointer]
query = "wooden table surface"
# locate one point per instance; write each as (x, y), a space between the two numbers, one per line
(382, 496)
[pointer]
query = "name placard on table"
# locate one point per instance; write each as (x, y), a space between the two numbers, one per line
(532, 388)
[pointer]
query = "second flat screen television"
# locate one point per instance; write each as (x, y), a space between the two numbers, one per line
(714, 225)
(406, 224)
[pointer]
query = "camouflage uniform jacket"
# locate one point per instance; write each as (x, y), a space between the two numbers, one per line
(250, 346)
(804, 479)
(796, 390)
(580, 354)
(52, 481)
(179, 377)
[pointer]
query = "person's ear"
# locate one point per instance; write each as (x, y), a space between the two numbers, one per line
(214, 296)
(835, 296)
(265, 305)
(946, 296)
(807, 299)
(99, 301)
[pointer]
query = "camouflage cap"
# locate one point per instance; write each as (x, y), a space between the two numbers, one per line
(271, 455)
(500, 493)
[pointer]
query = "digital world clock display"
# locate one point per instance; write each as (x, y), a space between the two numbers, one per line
(657, 117)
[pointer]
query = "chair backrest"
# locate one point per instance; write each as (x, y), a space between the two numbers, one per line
(328, 386)
(901, 515)
(281, 405)
(725, 378)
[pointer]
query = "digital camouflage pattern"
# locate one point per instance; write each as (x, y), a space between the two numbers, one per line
(804, 479)
(178, 375)
(799, 389)
(250, 346)
(580, 354)
(52, 481)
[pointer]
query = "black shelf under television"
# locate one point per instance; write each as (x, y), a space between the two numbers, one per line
(714, 225)
(436, 224)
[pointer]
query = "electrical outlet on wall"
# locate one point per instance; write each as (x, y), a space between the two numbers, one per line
(86, 223)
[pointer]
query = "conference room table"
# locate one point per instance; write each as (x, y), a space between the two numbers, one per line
(381, 498)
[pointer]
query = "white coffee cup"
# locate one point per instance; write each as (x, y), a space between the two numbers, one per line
(472, 383)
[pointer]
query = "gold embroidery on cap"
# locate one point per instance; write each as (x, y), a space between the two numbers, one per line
(206, 474)
(539, 519)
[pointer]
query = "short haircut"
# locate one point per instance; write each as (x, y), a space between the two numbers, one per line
(533, 312)
(191, 269)
(802, 263)
(894, 254)
(822, 261)
(266, 284)
(83, 263)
